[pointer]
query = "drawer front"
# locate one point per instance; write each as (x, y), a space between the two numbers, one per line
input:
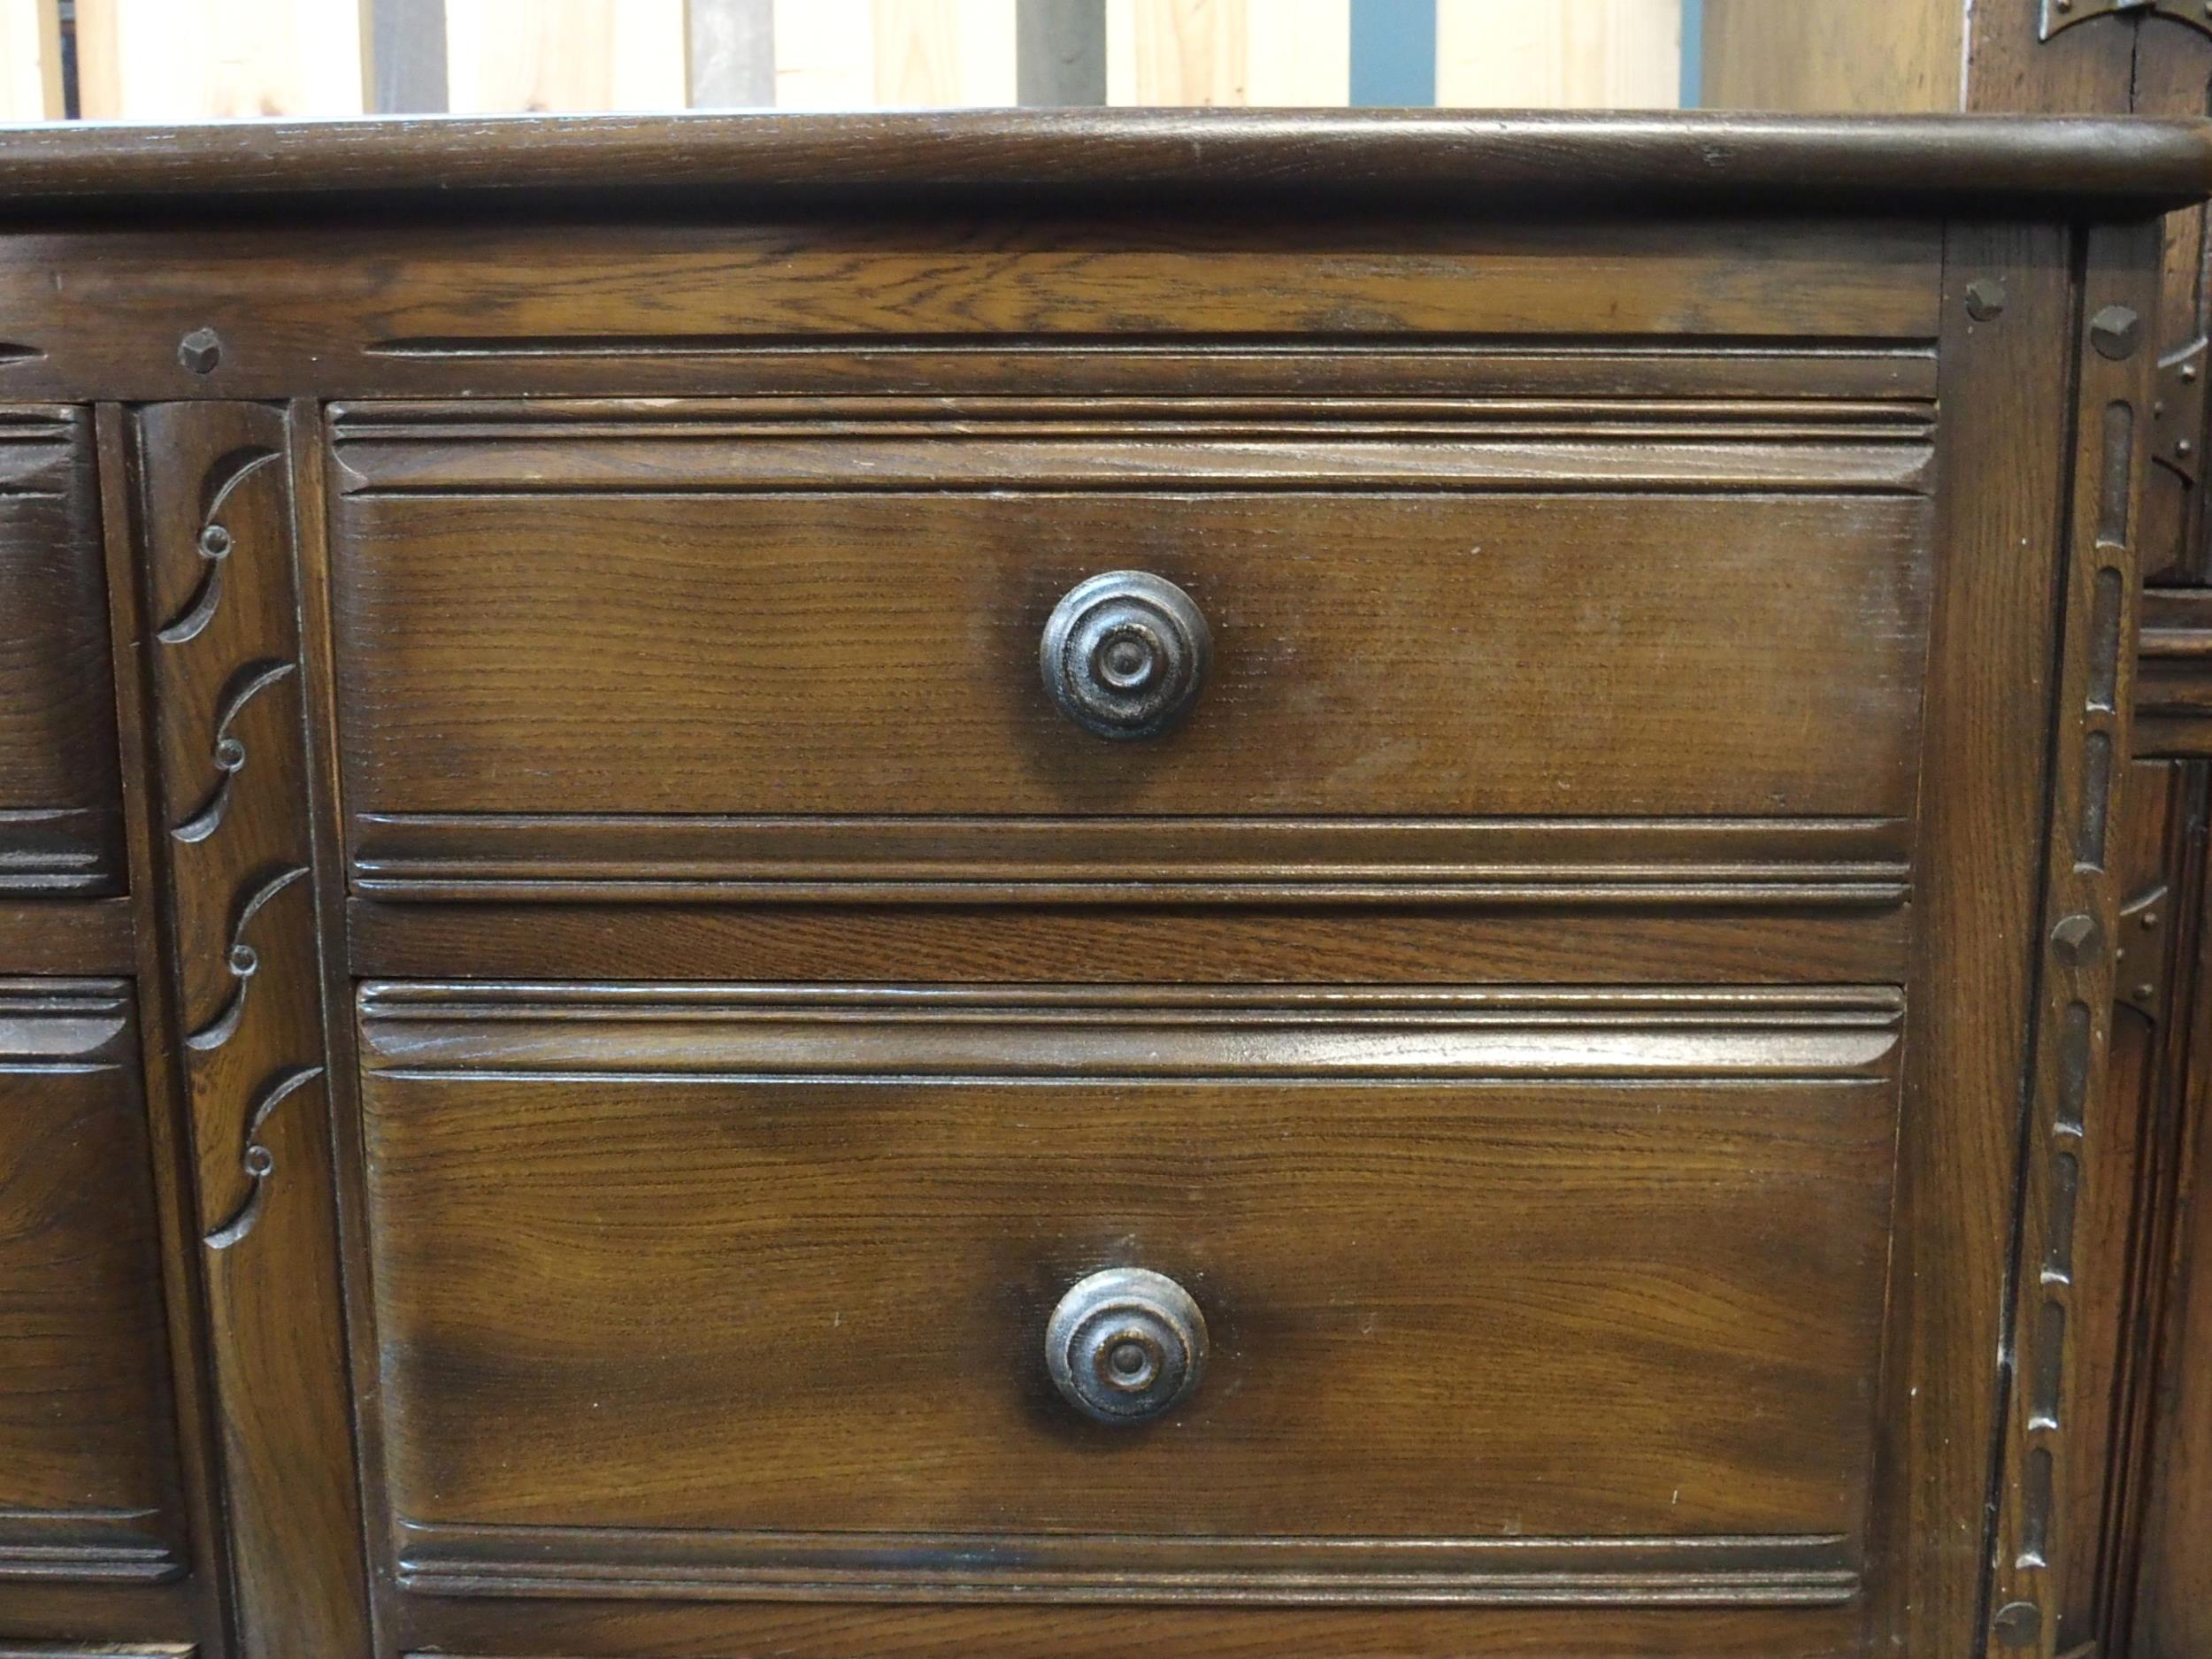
(90, 1493)
(796, 642)
(60, 801)
(1506, 1296)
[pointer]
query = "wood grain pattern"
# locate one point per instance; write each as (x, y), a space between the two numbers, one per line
(946, 301)
(852, 644)
(205, 1595)
(1878, 56)
(940, 53)
(1564, 55)
(1120, 944)
(948, 1217)
(60, 810)
(554, 55)
(30, 61)
(89, 1487)
(214, 517)
(2174, 673)
(2168, 1616)
(1976, 879)
(1366, 160)
(1572, 1011)
(2080, 921)
(187, 60)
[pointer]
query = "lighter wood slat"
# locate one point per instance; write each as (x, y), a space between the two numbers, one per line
(1280, 53)
(509, 54)
(30, 60)
(1871, 55)
(211, 59)
(1559, 54)
(936, 53)
(826, 54)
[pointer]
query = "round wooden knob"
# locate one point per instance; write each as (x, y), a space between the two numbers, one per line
(1125, 1345)
(1124, 654)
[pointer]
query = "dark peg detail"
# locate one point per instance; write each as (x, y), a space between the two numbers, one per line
(1124, 654)
(1125, 1345)
(2114, 330)
(200, 350)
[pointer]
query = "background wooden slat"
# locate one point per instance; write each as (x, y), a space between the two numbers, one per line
(30, 60)
(1060, 51)
(504, 55)
(1874, 55)
(1561, 54)
(185, 60)
(733, 54)
(1231, 53)
(942, 53)
(1175, 52)
(826, 54)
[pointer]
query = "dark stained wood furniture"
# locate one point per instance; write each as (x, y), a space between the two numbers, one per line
(1019, 885)
(2144, 1482)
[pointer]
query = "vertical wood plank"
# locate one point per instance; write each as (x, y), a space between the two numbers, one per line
(826, 54)
(2123, 1229)
(30, 60)
(2172, 1615)
(405, 44)
(2116, 353)
(1176, 52)
(2006, 385)
(169, 1126)
(732, 50)
(580, 55)
(1875, 55)
(192, 60)
(936, 54)
(216, 529)
(1559, 54)
(1060, 52)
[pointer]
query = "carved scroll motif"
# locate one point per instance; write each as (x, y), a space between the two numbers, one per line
(216, 540)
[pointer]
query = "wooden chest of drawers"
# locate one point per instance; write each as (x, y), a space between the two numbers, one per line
(1009, 885)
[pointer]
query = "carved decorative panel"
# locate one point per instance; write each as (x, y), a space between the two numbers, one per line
(217, 543)
(2081, 930)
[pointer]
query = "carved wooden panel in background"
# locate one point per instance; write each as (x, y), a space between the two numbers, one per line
(216, 537)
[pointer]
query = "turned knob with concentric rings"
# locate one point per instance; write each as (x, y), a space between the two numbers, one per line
(1125, 1345)
(1124, 654)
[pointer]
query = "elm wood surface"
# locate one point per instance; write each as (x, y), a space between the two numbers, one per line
(1711, 354)
(211, 525)
(832, 649)
(60, 814)
(89, 1487)
(2081, 919)
(1414, 157)
(1555, 1232)
(925, 301)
